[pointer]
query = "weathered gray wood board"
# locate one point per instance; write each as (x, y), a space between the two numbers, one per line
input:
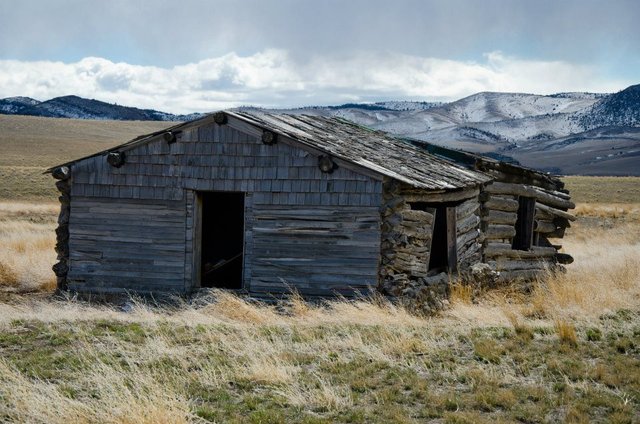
(468, 233)
(370, 221)
(401, 160)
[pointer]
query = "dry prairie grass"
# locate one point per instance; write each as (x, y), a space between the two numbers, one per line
(43, 142)
(617, 211)
(27, 241)
(32, 144)
(567, 351)
(604, 190)
(70, 361)
(604, 278)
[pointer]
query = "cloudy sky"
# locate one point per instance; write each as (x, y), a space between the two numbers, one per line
(201, 55)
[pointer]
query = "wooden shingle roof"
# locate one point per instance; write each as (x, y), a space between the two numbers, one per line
(374, 150)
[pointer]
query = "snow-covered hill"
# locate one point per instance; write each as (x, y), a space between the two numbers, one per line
(620, 109)
(14, 105)
(563, 132)
(534, 129)
(492, 107)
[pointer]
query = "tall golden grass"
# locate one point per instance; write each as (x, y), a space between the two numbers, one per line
(605, 277)
(259, 345)
(608, 210)
(27, 241)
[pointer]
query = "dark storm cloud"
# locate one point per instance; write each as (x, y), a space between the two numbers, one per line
(166, 33)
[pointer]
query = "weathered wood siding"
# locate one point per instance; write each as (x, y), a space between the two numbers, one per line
(126, 243)
(132, 227)
(409, 218)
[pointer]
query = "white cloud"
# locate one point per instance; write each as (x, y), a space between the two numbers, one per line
(274, 78)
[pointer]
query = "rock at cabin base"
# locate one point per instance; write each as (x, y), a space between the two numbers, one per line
(482, 275)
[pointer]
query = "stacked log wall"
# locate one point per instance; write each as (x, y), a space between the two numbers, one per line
(407, 229)
(468, 233)
(61, 267)
(499, 213)
(406, 241)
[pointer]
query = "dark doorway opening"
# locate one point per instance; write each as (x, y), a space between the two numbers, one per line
(443, 255)
(222, 239)
(439, 258)
(524, 224)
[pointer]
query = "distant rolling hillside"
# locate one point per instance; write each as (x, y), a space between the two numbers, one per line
(32, 144)
(602, 151)
(80, 108)
(585, 133)
(567, 133)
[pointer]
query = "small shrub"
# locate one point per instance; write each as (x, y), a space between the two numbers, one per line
(522, 330)
(8, 276)
(594, 334)
(487, 350)
(461, 293)
(298, 306)
(538, 302)
(566, 332)
(624, 345)
(490, 398)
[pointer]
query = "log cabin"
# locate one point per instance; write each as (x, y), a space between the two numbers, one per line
(268, 203)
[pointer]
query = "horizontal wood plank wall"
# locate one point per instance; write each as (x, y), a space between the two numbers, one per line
(126, 244)
(293, 211)
(499, 212)
(316, 250)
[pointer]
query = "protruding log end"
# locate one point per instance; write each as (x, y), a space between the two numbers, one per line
(220, 118)
(269, 138)
(564, 258)
(115, 159)
(169, 137)
(326, 164)
(61, 173)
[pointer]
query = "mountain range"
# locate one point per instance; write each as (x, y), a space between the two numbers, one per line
(565, 133)
(80, 108)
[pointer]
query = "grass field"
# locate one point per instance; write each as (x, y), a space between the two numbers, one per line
(603, 190)
(32, 144)
(565, 351)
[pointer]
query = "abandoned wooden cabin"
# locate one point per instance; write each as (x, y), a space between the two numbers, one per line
(266, 203)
